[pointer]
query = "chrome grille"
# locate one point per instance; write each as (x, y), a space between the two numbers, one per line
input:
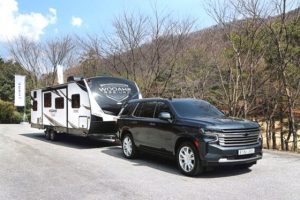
(238, 137)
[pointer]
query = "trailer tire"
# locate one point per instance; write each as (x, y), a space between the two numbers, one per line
(53, 135)
(47, 134)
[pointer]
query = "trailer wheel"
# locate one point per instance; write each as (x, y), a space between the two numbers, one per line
(53, 135)
(47, 134)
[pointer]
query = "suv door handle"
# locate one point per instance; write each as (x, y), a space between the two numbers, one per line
(152, 124)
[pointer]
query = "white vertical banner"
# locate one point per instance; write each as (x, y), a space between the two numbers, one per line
(60, 74)
(19, 90)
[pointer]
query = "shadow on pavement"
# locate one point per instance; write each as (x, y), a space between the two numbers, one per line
(168, 165)
(144, 159)
(224, 171)
(73, 141)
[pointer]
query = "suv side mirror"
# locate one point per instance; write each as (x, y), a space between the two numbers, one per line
(164, 116)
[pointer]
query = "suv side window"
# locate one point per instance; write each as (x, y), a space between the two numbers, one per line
(145, 109)
(128, 109)
(161, 107)
(148, 109)
(138, 110)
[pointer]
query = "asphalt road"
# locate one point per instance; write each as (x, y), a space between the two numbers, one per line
(78, 168)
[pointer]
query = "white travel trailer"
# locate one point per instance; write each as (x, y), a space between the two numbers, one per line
(83, 106)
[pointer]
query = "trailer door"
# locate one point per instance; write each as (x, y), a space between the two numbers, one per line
(55, 107)
(79, 109)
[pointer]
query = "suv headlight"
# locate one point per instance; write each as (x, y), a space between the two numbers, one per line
(211, 135)
(259, 136)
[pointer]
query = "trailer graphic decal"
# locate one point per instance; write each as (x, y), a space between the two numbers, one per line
(72, 125)
(87, 107)
(53, 121)
(115, 91)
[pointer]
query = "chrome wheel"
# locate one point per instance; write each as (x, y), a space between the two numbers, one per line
(186, 159)
(127, 146)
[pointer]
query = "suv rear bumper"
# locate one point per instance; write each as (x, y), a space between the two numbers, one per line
(217, 155)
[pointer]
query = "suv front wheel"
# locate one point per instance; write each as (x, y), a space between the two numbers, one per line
(188, 159)
(128, 147)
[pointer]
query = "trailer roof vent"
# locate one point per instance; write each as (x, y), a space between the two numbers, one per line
(74, 78)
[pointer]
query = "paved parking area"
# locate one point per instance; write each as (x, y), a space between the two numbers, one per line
(79, 168)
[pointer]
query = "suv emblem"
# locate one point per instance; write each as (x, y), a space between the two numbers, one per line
(115, 91)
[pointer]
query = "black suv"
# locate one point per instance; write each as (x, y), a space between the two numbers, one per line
(193, 131)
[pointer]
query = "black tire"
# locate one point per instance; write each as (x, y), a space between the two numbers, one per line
(52, 135)
(192, 167)
(47, 134)
(128, 147)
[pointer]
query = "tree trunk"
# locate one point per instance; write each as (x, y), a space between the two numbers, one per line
(267, 134)
(273, 130)
(281, 130)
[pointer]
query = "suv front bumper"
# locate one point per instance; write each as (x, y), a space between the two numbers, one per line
(215, 155)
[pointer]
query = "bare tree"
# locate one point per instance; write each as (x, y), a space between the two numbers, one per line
(242, 22)
(58, 51)
(91, 54)
(28, 54)
(281, 32)
(147, 49)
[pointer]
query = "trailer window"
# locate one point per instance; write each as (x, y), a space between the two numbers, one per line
(75, 101)
(47, 100)
(59, 103)
(34, 94)
(34, 105)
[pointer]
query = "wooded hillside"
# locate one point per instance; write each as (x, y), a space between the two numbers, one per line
(247, 65)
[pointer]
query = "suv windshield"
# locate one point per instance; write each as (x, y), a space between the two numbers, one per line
(195, 109)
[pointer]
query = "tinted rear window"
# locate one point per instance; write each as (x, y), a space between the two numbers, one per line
(138, 110)
(148, 109)
(128, 109)
(145, 109)
(161, 107)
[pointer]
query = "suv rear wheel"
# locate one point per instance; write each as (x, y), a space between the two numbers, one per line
(128, 147)
(188, 159)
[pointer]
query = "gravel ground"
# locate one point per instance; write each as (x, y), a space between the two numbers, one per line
(79, 168)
